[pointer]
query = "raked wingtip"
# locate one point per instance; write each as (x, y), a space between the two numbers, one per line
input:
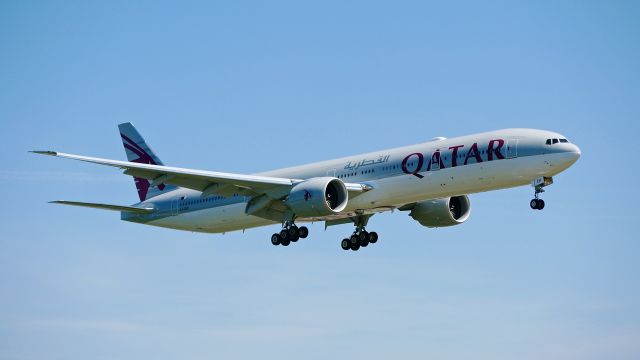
(46, 152)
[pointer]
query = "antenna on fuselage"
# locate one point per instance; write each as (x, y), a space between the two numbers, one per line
(438, 138)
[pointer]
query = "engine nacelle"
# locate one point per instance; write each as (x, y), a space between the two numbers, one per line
(442, 212)
(319, 196)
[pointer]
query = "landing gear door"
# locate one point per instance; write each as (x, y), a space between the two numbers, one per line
(512, 148)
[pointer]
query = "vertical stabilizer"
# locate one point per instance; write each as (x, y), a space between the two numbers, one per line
(139, 152)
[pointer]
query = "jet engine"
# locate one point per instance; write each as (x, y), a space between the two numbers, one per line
(442, 212)
(319, 196)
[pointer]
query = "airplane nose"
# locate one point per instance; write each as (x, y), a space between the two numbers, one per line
(575, 153)
(577, 150)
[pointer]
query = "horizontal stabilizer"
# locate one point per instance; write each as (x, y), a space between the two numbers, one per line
(129, 209)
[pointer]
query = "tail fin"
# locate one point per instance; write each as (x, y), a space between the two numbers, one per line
(139, 152)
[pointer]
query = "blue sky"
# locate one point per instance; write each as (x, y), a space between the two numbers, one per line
(250, 86)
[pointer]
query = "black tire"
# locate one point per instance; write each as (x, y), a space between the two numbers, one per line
(294, 233)
(354, 239)
(534, 204)
(355, 247)
(285, 242)
(364, 243)
(373, 237)
(284, 234)
(294, 239)
(345, 244)
(540, 204)
(363, 235)
(275, 239)
(304, 232)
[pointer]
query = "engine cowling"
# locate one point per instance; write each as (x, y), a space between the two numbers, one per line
(442, 212)
(319, 196)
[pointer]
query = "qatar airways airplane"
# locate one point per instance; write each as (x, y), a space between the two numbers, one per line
(430, 180)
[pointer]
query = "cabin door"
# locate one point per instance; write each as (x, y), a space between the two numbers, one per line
(175, 206)
(512, 148)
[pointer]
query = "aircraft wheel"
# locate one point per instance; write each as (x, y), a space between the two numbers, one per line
(304, 232)
(345, 244)
(293, 232)
(284, 234)
(364, 243)
(285, 242)
(275, 239)
(363, 235)
(534, 204)
(355, 247)
(540, 204)
(354, 239)
(373, 237)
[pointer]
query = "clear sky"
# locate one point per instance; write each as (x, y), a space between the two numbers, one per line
(249, 86)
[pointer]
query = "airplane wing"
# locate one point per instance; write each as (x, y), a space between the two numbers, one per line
(130, 209)
(208, 182)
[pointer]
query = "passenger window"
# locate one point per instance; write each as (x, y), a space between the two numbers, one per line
(555, 141)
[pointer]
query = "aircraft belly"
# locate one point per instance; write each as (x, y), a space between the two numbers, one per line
(213, 220)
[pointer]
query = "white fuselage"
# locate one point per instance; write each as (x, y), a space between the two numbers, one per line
(436, 169)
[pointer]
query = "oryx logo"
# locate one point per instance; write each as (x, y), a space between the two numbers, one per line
(143, 158)
(307, 195)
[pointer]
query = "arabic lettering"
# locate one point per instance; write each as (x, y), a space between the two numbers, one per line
(364, 162)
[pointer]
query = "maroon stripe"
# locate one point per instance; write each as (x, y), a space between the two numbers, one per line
(125, 137)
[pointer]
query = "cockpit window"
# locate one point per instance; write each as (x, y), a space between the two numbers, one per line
(555, 141)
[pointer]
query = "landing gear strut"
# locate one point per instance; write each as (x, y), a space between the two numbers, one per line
(538, 184)
(289, 233)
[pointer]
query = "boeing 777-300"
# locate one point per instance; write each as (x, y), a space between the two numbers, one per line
(430, 180)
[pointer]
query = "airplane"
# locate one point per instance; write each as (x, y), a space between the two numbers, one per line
(431, 181)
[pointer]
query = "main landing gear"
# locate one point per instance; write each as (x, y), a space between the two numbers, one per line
(538, 184)
(289, 233)
(359, 238)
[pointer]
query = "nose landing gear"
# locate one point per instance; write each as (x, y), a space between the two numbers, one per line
(538, 184)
